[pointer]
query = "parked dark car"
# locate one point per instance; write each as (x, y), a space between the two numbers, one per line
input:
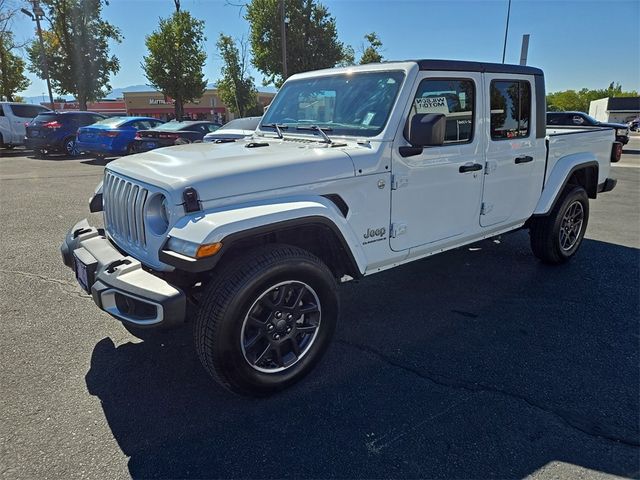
(234, 130)
(581, 119)
(55, 132)
(172, 133)
(634, 125)
(113, 136)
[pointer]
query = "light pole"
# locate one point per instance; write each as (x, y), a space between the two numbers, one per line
(37, 14)
(283, 34)
(506, 32)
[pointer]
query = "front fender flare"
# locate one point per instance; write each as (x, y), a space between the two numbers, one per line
(228, 223)
(559, 177)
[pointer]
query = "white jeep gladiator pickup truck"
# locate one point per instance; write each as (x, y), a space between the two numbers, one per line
(350, 172)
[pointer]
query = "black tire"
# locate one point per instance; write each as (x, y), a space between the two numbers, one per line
(555, 238)
(131, 149)
(40, 153)
(246, 287)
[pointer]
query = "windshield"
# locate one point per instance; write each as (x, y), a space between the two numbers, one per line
(45, 117)
(112, 121)
(172, 126)
(246, 123)
(27, 111)
(355, 104)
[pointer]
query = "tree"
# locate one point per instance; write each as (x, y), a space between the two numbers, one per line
(580, 100)
(371, 53)
(12, 79)
(176, 57)
(312, 38)
(236, 88)
(77, 47)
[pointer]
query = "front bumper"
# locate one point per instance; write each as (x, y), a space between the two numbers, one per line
(119, 284)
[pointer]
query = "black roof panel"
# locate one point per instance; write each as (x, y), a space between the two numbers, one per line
(464, 66)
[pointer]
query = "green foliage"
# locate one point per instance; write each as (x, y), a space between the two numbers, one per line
(580, 100)
(312, 38)
(236, 88)
(372, 53)
(12, 79)
(77, 48)
(176, 58)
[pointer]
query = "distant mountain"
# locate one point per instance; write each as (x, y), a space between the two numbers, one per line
(117, 92)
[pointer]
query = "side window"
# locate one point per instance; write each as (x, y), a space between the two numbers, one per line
(510, 109)
(578, 120)
(455, 98)
(212, 128)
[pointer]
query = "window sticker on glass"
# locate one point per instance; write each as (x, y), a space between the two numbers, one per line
(368, 117)
(431, 105)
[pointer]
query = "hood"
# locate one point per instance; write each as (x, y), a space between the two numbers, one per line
(228, 169)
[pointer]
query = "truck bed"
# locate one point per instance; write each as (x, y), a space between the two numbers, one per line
(593, 141)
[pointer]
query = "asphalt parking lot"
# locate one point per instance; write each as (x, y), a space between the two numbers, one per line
(476, 363)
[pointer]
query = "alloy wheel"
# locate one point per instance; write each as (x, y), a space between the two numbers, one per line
(280, 327)
(571, 226)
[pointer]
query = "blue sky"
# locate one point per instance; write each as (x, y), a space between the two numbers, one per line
(584, 43)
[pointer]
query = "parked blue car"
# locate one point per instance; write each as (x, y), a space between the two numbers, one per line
(112, 136)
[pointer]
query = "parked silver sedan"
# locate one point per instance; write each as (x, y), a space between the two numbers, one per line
(234, 130)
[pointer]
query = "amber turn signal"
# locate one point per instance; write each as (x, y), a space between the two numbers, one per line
(208, 249)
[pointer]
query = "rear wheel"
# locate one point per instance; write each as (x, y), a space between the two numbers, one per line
(556, 237)
(130, 149)
(266, 321)
(69, 145)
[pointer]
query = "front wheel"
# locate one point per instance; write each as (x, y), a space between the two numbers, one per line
(556, 237)
(265, 321)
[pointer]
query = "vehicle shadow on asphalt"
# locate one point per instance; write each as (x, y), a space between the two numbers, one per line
(476, 363)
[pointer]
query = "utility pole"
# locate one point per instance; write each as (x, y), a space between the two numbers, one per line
(283, 34)
(506, 32)
(37, 14)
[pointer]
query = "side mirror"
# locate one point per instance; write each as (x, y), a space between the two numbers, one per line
(427, 129)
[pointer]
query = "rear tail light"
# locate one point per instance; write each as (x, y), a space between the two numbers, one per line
(137, 137)
(54, 124)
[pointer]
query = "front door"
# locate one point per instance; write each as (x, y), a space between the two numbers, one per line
(436, 194)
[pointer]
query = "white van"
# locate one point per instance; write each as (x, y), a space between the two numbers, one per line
(13, 117)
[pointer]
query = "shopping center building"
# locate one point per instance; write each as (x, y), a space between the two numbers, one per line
(155, 104)
(209, 107)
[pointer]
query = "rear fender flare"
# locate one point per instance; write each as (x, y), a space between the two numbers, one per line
(559, 177)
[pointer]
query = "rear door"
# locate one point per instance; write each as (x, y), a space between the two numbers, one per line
(5, 125)
(515, 157)
(436, 194)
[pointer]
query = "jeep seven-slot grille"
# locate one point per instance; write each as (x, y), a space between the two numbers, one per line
(124, 209)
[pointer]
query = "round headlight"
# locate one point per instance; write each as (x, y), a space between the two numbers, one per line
(157, 214)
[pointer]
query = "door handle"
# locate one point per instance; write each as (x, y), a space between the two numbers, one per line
(472, 167)
(525, 159)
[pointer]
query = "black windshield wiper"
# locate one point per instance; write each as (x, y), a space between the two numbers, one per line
(278, 128)
(318, 129)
